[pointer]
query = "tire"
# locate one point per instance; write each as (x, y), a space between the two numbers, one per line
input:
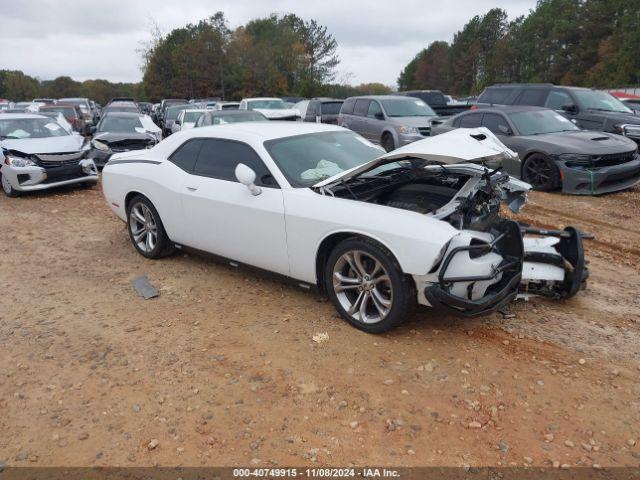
(541, 172)
(145, 228)
(8, 190)
(350, 276)
(387, 142)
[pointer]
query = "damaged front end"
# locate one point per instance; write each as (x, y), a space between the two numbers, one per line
(492, 260)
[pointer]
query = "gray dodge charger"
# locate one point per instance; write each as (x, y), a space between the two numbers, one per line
(553, 152)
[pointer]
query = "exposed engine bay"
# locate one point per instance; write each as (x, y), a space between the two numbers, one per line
(492, 255)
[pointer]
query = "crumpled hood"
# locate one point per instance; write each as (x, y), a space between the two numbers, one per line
(457, 146)
(276, 113)
(63, 144)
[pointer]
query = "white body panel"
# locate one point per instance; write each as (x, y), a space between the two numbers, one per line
(282, 229)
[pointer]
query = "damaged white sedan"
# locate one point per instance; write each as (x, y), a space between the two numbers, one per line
(379, 233)
(37, 153)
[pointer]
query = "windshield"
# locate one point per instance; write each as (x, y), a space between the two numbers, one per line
(308, 159)
(172, 112)
(191, 117)
(66, 111)
(541, 121)
(331, 108)
(114, 123)
(30, 128)
(405, 107)
(275, 104)
(594, 100)
(249, 117)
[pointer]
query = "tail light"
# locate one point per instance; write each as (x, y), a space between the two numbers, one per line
(473, 108)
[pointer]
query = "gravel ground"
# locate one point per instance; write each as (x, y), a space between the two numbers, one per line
(222, 368)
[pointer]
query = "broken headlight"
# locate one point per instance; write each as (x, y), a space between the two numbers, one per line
(18, 161)
(576, 159)
(97, 144)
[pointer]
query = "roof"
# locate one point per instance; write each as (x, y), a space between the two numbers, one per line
(382, 97)
(117, 113)
(20, 116)
(226, 113)
(261, 98)
(508, 109)
(534, 85)
(252, 133)
(624, 95)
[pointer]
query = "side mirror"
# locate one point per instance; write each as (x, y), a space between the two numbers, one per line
(92, 129)
(379, 116)
(505, 130)
(247, 177)
(178, 121)
(570, 108)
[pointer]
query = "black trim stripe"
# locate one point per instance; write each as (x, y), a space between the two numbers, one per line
(114, 162)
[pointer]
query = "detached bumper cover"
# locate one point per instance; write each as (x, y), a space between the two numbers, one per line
(508, 244)
(596, 181)
(33, 178)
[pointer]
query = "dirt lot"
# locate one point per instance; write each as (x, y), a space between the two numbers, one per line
(222, 369)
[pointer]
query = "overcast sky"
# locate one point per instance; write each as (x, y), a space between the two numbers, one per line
(49, 38)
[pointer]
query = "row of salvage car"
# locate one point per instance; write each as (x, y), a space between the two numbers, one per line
(380, 233)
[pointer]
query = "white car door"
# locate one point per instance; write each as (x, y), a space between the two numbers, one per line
(225, 218)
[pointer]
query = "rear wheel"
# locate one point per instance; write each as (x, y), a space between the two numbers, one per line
(387, 142)
(367, 286)
(146, 230)
(8, 190)
(540, 172)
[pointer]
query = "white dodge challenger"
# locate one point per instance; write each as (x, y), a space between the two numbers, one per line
(379, 233)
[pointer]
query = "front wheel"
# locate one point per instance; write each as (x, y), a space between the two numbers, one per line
(8, 190)
(146, 230)
(540, 172)
(367, 286)
(387, 142)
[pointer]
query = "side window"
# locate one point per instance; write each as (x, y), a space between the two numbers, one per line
(361, 107)
(347, 106)
(186, 154)
(499, 95)
(311, 112)
(219, 158)
(493, 122)
(532, 96)
(557, 99)
(470, 121)
(374, 108)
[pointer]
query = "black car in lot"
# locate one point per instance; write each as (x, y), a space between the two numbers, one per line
(553, 152)
(120, 132)
(587, 108)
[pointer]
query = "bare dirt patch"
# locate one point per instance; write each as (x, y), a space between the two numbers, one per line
(222, 368)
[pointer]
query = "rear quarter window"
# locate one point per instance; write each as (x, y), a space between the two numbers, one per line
(532, 96)
(361, 107)
(186, 154)
(347, 106)
(496, 95)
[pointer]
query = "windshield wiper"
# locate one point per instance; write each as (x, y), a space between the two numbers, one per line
(606, 110)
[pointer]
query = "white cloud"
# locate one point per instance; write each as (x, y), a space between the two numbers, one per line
(48, 38)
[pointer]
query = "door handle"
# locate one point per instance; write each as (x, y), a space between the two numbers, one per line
(192, 189)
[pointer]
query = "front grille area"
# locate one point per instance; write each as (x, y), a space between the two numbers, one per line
(425, 131)
(126, 145)
(613, 159)
(57, 159)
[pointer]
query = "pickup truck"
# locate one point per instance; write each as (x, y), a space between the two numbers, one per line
(437, 101)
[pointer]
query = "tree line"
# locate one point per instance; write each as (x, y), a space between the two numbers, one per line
(17, 86)
(571, 42)
(279, 55)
